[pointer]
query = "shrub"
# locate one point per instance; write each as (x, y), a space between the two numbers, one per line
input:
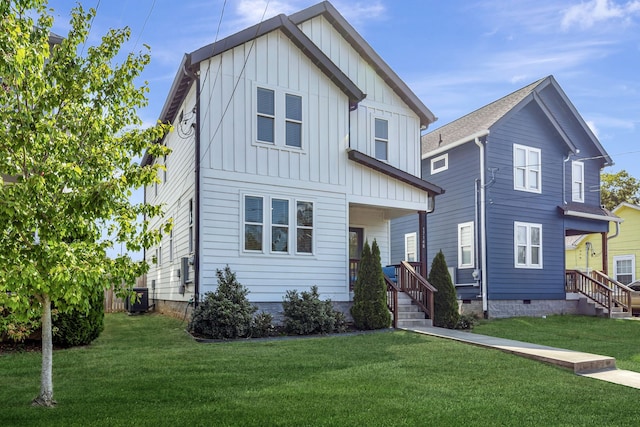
(306, 314)
(445, 300)
(262, 325)
(225, 313)
(369, 308)
(467, 321)
(77, 327)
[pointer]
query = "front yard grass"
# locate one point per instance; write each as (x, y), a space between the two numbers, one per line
(146, 371)
(617, 338)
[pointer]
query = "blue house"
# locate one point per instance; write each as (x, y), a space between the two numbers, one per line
(520, 175)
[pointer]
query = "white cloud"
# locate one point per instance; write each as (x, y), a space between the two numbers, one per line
(588, 14)
(593, 128)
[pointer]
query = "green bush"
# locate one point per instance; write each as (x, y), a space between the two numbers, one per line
(369, 308)
(306, 314)
(445, 300)
(467, 321)
(262, 325)
(225, 313)
(78, 327)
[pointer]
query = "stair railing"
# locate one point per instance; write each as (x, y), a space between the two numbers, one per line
(621, 294)
(416, 286)
(609, 295)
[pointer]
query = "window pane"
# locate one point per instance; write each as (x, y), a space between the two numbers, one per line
(381, 150)
(305, 214)
(253, 209)
(521, 237)
(466, 256)
(265, 101)
(305, 240)
(439, 164)
(294, 134)
(465, 236)
(520, 173)
(279, 239)
(522, 254)
(535, 256)
(534, 160)
(280, 212)
(520, 158)
(253, 237)
(535, 236)
(533, 179)
(382, 129)
(624, 266)
(293, 107)
(265, 129)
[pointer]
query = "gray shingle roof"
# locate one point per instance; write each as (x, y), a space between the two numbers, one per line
(476, 121)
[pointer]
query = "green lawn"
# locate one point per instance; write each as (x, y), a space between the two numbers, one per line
(145, 371)
(617, 338)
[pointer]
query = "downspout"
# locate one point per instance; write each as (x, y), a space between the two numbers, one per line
(196, 260)
(483, 225)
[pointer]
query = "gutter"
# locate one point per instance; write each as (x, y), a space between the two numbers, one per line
(483, 221)
(196, 260)
(461, 141)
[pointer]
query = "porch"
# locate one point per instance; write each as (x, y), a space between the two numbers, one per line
(607, 296)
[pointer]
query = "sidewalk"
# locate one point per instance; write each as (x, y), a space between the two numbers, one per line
(584, 364)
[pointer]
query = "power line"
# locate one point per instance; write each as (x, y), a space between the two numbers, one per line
(144, 25)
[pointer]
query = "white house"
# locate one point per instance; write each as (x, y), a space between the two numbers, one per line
(294, 142)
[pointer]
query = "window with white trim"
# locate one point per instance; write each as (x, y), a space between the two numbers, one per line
(577, 181)
(190, 225)
(527, 245)
(381, 136)
(411, 247)
(279, 118)
(465, 245)
(527, 168)
(624, 268)
(276, 229)
(171, 245)
(440, 163)
(266, 115)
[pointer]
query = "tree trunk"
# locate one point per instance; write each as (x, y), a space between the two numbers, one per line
(46, 382)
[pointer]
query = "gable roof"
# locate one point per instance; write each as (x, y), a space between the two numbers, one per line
(289, 26)
(481, 120)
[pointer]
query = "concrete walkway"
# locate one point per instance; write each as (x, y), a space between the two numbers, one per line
(584, 364)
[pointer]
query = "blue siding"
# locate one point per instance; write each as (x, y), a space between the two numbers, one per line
(400, 227)
(530, 127)
(455, 206)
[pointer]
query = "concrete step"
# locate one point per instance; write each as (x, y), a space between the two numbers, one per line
(411, 315)
(414, 323)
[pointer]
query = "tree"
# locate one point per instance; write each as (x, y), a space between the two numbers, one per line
(445, 303)
(369, 308)
(68, 165)
(619, 187)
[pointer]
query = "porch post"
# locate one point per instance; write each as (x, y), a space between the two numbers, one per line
(422, 227)
(605, 253)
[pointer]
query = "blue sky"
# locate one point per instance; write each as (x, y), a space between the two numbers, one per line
(456, 55)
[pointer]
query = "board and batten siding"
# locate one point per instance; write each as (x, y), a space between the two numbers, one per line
(175, 194)
(381, 101)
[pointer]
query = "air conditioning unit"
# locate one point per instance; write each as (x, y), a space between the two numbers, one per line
(140, 304)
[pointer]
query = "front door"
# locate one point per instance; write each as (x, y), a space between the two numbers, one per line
(356, 239)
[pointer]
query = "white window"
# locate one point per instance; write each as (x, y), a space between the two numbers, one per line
(160, 255)
(304, 225)
(527, 175)
(279, 118)
(527, 245)
(410, 247)
(577, 181)
(293, 117)
(465, 245)
(440, 163)
(171, 245)
(275, 228)
(266, 115)
(624, 268)
(381, 139)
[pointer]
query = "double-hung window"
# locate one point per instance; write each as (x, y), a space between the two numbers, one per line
(410, 247)
(279, 118)
(527, 175)
(381, 130)
(624, 268)
(277, 228)
(577, 181)
(527, 245)
(440, 163)
(465, 245)
(266, 115)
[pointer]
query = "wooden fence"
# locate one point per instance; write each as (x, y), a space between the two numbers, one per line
(113, 304)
